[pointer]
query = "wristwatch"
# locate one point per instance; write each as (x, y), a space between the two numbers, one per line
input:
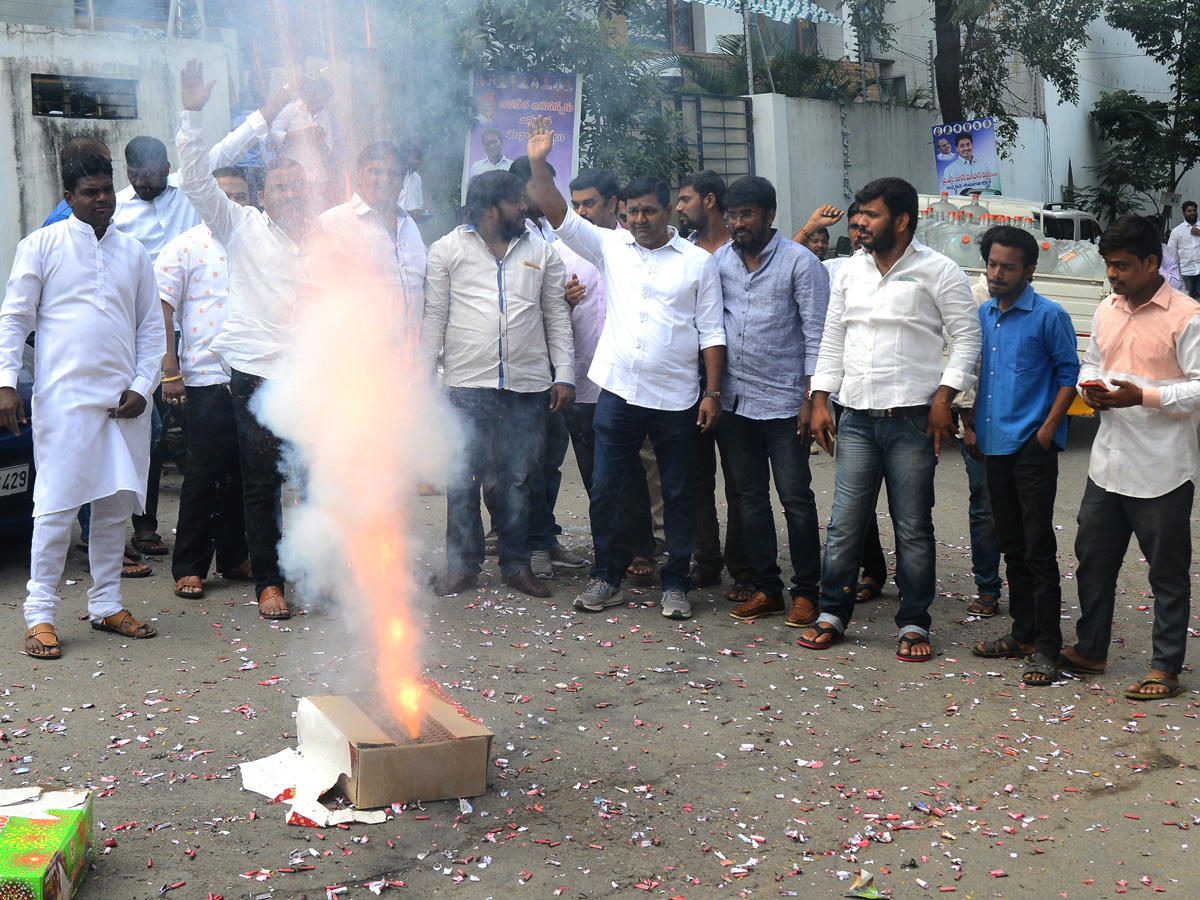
(712, 395)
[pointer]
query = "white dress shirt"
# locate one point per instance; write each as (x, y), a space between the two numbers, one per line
(1185, 247)
(267, 278)
(412, 196)
(882, 345)
(486, 165)
(193, 279)
(397, 258)
(663, 307)
(100, 332)
(153, 223)
(292, 135)
(503, 322)
(1147, 450)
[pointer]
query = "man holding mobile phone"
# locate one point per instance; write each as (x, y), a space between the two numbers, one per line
(1145, 354)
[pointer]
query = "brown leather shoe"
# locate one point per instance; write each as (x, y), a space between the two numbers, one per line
(759, 605)
(455, 583)
(527, 583)
(804, 613)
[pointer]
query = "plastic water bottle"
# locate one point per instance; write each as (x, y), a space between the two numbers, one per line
(1047, 256)
(943, 207)
(975, 208)
(964, 250)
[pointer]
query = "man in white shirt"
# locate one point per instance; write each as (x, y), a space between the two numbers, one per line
(1184, 245)
(664, 312)
(493, 146)
(375, 228)
(881, 353)
(486, 278)
(193, 284)
(99, 347)
(267, 279)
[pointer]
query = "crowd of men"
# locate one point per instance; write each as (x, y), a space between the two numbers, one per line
(591, 322)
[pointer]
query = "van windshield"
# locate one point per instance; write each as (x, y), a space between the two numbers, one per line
(1062, 229)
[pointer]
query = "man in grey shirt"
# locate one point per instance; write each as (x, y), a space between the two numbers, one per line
(775, 293)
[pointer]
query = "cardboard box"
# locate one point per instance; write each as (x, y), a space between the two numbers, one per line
(45, 842)
(376, 768)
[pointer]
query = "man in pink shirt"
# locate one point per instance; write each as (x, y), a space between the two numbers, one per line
(1142, 372)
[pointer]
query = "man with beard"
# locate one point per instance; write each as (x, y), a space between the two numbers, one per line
(701, 211)
(775, 294)
(1184, 245)
(486, 278)
(881, 353)
(100, 343)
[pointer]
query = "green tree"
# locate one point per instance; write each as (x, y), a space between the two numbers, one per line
(430, 45)
(976, 41)
(1152, 144)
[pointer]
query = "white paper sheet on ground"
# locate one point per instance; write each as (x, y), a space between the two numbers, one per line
(36, 803)
(306, 779)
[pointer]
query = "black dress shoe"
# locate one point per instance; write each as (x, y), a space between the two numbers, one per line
(455, 583)
(528, 583)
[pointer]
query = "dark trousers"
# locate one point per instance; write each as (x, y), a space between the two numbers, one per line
(755, 450)
(262, 483)
(709, 557)
(1164, 534)
(544, 484)
(148, 521)
(505, 434)
(873, 563)
(211, 510)
(578, 418)
(621, 428)
(1022, 487)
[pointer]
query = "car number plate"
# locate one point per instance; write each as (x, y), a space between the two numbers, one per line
(14, 480)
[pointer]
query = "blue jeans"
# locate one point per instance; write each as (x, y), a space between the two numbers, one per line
(869, 451)
(509, 429)
(1189, 283)
(985, 545)
(756, 450)
(620, 430)
(544, 485)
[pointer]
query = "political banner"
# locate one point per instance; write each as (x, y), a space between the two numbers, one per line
(966, 156)
(505, 103)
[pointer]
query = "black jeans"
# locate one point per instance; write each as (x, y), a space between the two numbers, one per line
(148, 521)
(756, 450)
(578, 417)
(211, 511)
(262, 483)
(1022, 487)
(708, 556)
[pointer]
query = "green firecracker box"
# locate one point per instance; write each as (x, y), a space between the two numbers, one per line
(45, 842)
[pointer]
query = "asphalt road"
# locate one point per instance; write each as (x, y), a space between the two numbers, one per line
(632, 754)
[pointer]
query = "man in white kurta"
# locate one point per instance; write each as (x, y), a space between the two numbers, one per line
(89, 292)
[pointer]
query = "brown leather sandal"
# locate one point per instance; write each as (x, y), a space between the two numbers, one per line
(276, 595)
(44, 634)
(124, 624)
(242, 572)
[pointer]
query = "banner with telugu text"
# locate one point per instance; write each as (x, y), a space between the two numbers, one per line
(504, 103)
(966, 156)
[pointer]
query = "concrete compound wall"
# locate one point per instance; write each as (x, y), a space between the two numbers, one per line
(29, 144)
(798, 147)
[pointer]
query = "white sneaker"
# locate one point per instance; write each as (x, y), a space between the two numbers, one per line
(599, 595)
(561, 556)
(675, 605)
(539, 561)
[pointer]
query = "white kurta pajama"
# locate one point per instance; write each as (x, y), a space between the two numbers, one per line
(94, 305)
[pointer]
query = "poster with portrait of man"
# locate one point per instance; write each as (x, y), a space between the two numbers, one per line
(966, 157)
(504, 104)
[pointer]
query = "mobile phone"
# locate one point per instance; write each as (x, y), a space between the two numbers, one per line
(1094, 386)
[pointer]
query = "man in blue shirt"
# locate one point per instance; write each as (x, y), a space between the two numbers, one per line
(775, 293)
(1027, 374)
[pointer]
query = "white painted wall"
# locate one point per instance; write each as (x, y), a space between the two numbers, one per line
(29, 145)
(798, 147)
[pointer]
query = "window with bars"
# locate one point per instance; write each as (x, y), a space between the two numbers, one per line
(662, 24)
(721, 134)
(81, 97)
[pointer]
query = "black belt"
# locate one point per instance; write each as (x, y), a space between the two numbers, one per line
(896, 412)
